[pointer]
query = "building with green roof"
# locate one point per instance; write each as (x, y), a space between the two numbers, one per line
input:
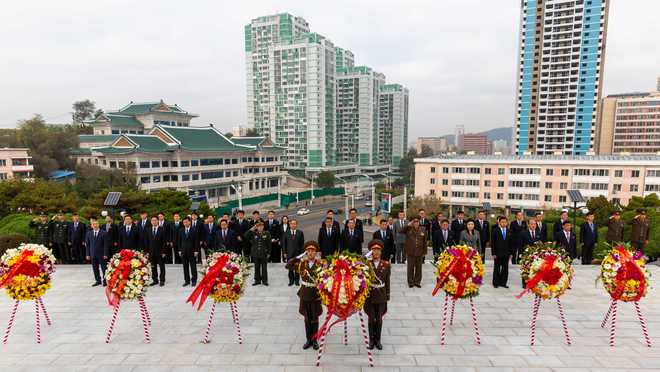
(198, 160)
(139, 118)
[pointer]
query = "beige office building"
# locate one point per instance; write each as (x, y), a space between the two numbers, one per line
(15, 163)
(630, 123)
(534, 182)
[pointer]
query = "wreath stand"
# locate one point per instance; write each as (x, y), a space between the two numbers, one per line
(144, 314)
(234, 315)
(473, 309)
(611, 315)
(535, 312)
(38, 306)
(326, 330)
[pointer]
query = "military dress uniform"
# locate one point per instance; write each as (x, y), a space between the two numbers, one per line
(60, 239)
(310, 300)
(376, 304)
(260, 243)
(42, 233)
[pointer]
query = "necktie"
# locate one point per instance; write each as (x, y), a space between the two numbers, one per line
(382, 234)
(540, 226)
(591, 225)
(532, 234)
(186, 231)
(504, 233)
(351, 233)
(329, 232)
(95, 234)
(154, 231)
(128, 229)
(568, 237)
(444, 234)
(224, 234)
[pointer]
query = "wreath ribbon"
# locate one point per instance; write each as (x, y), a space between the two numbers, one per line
(460, 268)
(629, 270)
(342, 275)
(119, 278)
(547, 273)
(22, 266)
(205, 287)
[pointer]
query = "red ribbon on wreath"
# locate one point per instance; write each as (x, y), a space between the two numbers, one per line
(119, 277)
(460, 268)
(547, 273)
(22, 266)
(628, 270)
(343, 275)
(205, 287)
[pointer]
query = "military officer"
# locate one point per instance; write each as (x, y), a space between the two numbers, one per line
(376, 304)
(260, 241)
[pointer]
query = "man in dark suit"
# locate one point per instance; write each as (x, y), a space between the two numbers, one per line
(273, 227)
(77, 232)
(129, 236)
(500, 239)
(167, 229)
(112, 231)
(329, 237)
(481, 224)
(437, 223)
(330, 213)
(97, 251)
(188, 249)
(385, 235)
(293, 242)
(530, 235)
(155, 244)
(175, 228)
(588, 238)
(352, 216)
(351, 239)
(142, 226)
(225, 239)
(442, 238)
(424, 222)
(517, 227)
(559, 225)
(207, 235)
(458, 224)
(240, 227)
(541, 227)
(566, 238)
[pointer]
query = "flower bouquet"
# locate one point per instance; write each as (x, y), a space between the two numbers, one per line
(25, 272)
(128, 276)
(547, 270)
(345, 283)
(624, 274)
(224, 280)
(626, 279)
(459, 272)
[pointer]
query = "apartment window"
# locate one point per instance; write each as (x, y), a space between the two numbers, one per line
(635, 173)
(457, 194)
(653, 188)
(487, 171)
(432, 192)
(634, 188)
(166, 178)
(474, 170)
(174, 177)
(500, 171)
(458, 182)
(618, 173)
(500, 196)
(517, 170)
(500, 183)
(445, 194)
(599, 186)
(432, 181)
(194, 163)
(113, 164)
(562, 198)
(563, 185)
(600, 173)
(548, 185)
(155, 164)
(445, 181)
(564, 172)
(616, 187)
(532, 170)
(486, 195)
(3, 163)
(487, 183)
(547, 198)
(185, 177)
(472, 195)
(432, 169)
(445, 170)
(458, 170)
(582, 172)
(156, 179)
(174, 163)
(165, 163)
(653, 173)
(195, 176)
(549, 172)
(145, 164)
(145, 179)
(185, 163)
(515, 183)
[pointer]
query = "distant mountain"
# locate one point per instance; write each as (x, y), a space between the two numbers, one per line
(503, 133)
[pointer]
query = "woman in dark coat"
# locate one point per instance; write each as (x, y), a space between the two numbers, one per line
(376, 304)
(308, 265)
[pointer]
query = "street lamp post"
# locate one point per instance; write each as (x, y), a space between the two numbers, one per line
(373, 193)
(239, 191)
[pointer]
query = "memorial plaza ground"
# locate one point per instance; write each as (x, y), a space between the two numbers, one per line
(273, 331)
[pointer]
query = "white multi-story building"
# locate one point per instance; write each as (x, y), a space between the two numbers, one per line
(392, 124)
(15, 163)
(139, 117)
(536, 181)
(559, 79)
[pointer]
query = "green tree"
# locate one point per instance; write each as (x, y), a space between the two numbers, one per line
(49, 145)
(325, 179)
(251, 132)
(603, 209)
(229, 134)
(83, 110)
(430, 204)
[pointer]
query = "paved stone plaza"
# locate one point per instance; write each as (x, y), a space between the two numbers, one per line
(274, 332)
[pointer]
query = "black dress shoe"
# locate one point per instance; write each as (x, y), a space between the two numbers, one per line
(105, 284)
(256, 283)
(505, 286)
(410, 286)
(307, 345)
(298, 283)
(185, 284)
(379, 346)
(96, 284)
(193, 284)
(495, 286)
(264, 283)
(153, 284)
(162, 284)
(315, 345)
(418, 286)
(290, 284)
(371, 346)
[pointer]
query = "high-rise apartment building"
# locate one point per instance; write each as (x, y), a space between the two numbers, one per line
(629, 123)
(357, 115)
(307, 95)
(562, 49)
(392, 124)
(476, 143)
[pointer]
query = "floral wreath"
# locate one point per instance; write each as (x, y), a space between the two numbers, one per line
(128, 276)
(224, 279)
(344, 283)
(25, 272)
(459, 272)
(547, 270)
(624, 274)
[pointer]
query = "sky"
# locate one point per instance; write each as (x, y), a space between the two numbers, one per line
(457, 57)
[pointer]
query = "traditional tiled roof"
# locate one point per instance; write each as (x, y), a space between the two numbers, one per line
(119, 120)
(97, 137)
(135, 108)
(249, 141)
(199, 138)
(146, 143)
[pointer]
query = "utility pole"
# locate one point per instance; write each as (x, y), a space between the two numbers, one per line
(405, 199)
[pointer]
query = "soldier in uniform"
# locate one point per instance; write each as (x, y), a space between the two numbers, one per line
(260, 241)
(415, 250)
(60, 238)
(614, 228)
(640, 232)
(42, 230)
(307, 265)
(376, 304)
